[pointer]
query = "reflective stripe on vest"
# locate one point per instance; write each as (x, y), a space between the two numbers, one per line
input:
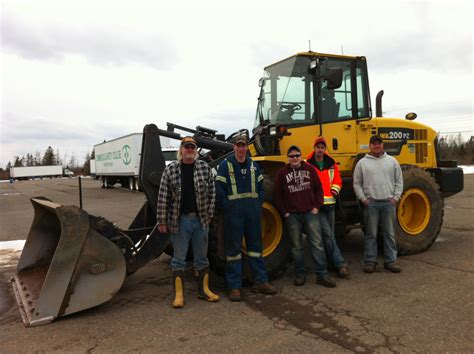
(221, 179)
(233, 183)
(329, 200)
(331, 175)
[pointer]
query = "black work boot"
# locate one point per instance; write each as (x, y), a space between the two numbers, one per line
(204, 292)
(178, 281)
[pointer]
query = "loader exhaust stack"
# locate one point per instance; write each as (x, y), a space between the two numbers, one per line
(65, 266)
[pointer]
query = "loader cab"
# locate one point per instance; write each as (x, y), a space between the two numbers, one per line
(312, 94)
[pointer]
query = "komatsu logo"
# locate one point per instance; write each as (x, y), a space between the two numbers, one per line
(126, 154)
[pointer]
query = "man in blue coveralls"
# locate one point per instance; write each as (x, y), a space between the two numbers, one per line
(239, 193)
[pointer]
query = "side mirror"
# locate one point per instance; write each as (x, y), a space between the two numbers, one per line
(261, 82)
(333, 76)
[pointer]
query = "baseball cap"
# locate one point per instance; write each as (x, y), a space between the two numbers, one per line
(375, 138)
(320, 140)
(240, 139)
(188, 140)
(293, 148)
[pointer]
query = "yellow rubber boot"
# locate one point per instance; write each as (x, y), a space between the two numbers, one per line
(178, 289)
(203, 286)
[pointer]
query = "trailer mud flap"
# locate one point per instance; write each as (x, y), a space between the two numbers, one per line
(65, 266)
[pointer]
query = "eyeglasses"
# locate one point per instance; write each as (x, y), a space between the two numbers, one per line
(294, 156)
(192, 147)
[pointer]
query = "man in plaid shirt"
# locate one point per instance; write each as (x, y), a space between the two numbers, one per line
(185, 207)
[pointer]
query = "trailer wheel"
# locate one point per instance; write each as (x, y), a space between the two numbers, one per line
(419, 212)
(276, 245)
(106, 182)
(137, 185)
(131, 183)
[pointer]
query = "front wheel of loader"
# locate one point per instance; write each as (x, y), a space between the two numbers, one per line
(419, 212)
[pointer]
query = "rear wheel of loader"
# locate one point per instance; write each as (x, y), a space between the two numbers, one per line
(419, 212)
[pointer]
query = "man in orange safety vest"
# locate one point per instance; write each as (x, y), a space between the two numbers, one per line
(328, 173)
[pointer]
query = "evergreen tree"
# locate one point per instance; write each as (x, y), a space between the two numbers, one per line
(87, 165)
(16, 163)
(49, 157)
(29, 160)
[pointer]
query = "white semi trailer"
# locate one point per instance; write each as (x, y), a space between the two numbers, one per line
(20, 173)
(92, 168)
(118, 160)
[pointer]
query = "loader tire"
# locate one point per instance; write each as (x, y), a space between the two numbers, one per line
(420, 211)
(276, 245)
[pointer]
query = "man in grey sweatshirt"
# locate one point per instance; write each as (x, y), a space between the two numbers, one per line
(378, 184)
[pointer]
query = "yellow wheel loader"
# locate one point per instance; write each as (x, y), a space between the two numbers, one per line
(72, 261)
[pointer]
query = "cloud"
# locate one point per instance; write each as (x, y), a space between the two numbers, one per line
(408, 50)
(21, 135)
(100, 45)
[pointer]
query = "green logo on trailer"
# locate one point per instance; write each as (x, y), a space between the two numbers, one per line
(126, 155)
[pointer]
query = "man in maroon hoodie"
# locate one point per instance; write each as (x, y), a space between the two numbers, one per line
(299, 196)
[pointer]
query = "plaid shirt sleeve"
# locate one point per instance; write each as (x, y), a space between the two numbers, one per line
(211, 193)
(163, 198)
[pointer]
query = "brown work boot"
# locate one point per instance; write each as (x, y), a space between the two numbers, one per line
(234, 295)
(326, 281)
(264, 288)
(299, 281)
(393, 267)
(343, 272)
(369, 267)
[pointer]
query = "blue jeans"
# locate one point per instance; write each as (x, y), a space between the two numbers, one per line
(333, 253)
(380, 213)
(309, 224)
(190, 229)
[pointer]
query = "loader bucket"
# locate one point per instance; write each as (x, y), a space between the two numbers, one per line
(65, 266)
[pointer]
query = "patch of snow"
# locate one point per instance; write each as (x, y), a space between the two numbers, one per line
(468, 170)
(16, 245)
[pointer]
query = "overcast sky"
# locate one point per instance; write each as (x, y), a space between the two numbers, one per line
(76, 73)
